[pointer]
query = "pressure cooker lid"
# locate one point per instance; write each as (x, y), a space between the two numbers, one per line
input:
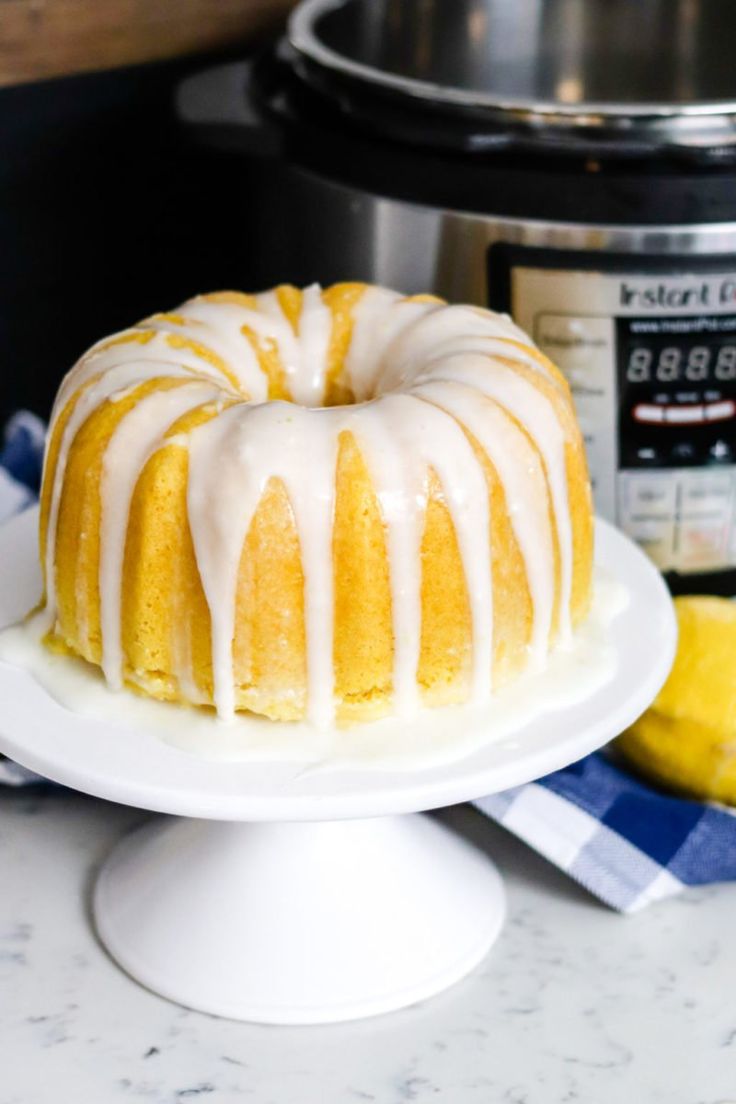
(635, 74)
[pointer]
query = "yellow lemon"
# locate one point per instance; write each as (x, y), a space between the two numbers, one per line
(687, 739)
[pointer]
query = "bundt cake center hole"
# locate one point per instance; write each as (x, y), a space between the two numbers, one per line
(334, 400)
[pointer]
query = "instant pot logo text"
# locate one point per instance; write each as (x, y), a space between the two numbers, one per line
(674, 295)
(677, 294)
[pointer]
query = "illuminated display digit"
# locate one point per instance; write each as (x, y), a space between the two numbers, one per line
(726, 363)
(668, 366)
(698, 360)
(639, 367)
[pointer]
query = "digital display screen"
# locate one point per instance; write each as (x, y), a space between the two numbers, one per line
(680, 363)
(701, 349)
(647, 343)
(677, 388)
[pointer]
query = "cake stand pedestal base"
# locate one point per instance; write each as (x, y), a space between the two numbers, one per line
(277, 909)
(298, 923)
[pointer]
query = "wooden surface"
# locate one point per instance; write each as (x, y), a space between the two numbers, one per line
(46, 38)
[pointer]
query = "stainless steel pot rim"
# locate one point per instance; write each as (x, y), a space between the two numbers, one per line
(711, 118)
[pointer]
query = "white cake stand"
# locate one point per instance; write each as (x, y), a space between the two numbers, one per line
(286, 896)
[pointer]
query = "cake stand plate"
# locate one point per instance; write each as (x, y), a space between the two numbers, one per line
(303, 896)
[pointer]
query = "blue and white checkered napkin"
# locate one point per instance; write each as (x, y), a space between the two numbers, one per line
(21, 458)
(624, 841)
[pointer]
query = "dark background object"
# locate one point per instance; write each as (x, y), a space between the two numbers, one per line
(105, 216)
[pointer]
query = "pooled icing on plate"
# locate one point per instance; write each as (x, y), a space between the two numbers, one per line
(436, 736)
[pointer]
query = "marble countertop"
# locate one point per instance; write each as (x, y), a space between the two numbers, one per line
(574, 1003)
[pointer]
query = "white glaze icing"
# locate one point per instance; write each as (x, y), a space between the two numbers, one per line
(436, 331)
(423, 375)
(521, 474)
(499, 381)
(401, 438)
(116, 381)
(304, 354)
(263, 442)
(218, 327)
(135, 439)
(378, 326)
(156, 357)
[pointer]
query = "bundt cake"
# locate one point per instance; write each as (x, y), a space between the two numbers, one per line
(324, 504)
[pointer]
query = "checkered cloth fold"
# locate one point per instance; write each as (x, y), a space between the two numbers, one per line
(626, 842)
(623, 840)
(21, 460)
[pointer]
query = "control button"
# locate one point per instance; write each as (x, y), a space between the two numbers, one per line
(702, 543)
(580, 346)
(691, 414)
(651, 497)
(719, 411)
(647, 455)
(704, 520)
(683, 452)
(683, 415)
(646, 412)
(647, 508)
(706, 494)
(720, 451)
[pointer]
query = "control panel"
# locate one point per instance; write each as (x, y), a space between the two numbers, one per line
(651, 360)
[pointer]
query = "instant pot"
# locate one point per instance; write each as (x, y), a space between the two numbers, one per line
(570, 161)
